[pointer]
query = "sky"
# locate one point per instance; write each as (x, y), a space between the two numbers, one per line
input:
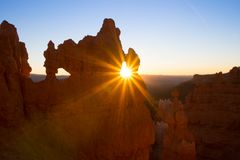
(171, 37)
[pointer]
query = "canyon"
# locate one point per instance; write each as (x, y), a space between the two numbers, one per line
(96, 114)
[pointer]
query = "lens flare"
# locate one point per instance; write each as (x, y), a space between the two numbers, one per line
(125, 71)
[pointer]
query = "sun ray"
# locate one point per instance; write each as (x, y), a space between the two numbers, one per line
(132, 93)
(100, 87)
(142, 89)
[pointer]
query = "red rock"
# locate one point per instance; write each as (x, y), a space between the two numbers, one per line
(13, 67)
(132, 60)
(177, 141)
(213, 107)
(97, 112)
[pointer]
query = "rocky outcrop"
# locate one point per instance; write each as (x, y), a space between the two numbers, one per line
(94, 114)
(174, 141)
(93, 54)
(132, 60)
(13, 67)
(213, 109)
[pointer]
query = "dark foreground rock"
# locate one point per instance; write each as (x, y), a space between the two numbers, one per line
(93, 114)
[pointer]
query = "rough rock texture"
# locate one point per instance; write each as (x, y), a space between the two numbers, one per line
(174, 141)
(13, 67)
(94, 114)
(132, 60)
(101, 53)
(213, 108)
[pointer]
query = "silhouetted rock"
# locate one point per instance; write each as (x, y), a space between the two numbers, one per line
(213, 107)
(13, 67)
(132, 60)
(93, 54)
(94, 113)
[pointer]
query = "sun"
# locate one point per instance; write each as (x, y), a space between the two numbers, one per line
(125, 71)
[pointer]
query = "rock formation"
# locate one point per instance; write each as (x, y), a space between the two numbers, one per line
(94, 114)
(174, 141)
(213, 109)
(93, 54)
(13, 67)
(132, 60)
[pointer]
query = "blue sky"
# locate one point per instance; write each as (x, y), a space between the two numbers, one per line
(172, 37)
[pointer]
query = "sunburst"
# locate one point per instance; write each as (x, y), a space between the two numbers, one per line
(125, 72)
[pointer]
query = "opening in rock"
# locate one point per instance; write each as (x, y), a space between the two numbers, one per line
(62, 74)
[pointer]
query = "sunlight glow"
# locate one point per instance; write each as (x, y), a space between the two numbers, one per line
(125, 71)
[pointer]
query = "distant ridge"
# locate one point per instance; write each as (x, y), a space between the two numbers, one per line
(41, 77)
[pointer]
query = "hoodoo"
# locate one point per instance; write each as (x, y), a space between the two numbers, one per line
(94, 114)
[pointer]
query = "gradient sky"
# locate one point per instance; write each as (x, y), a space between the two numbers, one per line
(172, 37)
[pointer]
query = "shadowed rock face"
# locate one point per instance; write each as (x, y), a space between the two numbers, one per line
(174, 141)
(213, 108)
(94, 114)
(13, 67)
(93, 54)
